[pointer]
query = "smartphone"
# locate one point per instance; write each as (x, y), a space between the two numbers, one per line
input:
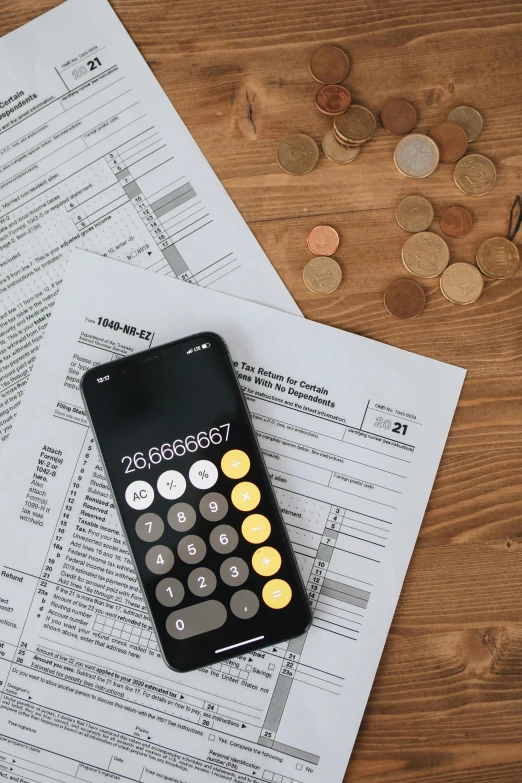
(199, 514)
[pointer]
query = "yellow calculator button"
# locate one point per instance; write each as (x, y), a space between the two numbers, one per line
(245, 496)
(266, 561)
(256, 528)
(277, 594)
(235, 464)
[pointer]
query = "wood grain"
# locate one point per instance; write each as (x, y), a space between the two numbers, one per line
(446, 706)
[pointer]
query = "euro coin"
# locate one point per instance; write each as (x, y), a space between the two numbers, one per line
(333, 99)
(337, 152)
(425, 254)
(398, 117)
(475, 175)
(356, 125)
(297, 154)
(456, 221)
(469, 119)
(416, 156)
(322, 275)
(461, 283)
(404, 298)
(323, 240)
(451, 140)
(414, 214)
(329, 65)
(497, 257)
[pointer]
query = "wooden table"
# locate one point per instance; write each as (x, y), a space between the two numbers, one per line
(446, 705)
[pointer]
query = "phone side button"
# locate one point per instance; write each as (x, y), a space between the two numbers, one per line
(193, 620)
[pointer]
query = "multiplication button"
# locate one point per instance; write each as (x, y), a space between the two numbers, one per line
(246, 496)
(235, 464)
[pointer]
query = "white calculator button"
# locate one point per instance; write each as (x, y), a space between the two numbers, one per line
(171, 484)
(203, 474)
(139, 495)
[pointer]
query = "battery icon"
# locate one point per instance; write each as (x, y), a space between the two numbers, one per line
(206, 345)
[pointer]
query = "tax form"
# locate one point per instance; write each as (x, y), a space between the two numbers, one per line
(352, 432)
(93, 155)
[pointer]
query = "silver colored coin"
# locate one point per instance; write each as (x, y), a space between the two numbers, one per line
(416, 156)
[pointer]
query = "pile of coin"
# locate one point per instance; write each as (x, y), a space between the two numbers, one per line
(322, 274)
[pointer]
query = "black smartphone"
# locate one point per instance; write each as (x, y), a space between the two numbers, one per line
(201, 520)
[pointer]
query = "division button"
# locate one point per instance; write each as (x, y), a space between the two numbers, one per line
(235, 464)
(139, 495)
(193, 620)
(202, 581)
(277, 593)
(244, 604)
(224, 539)
(170, 592)
(203, 474)
(149, 527)
(171, 484)
(181, 517)
(213, 506)
(266, 561)
(159, 559)
(192, 549)
(256, 528)
(234, 571)
(246, 496)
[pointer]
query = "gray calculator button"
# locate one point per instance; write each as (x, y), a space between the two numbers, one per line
(233, 571)
(170, 592)
(193, 620)
(159, 559)
(224, 539)
(181, 517)
(192, 549)
(202, 581)
(244, 604)
(149, 527)
(213, 506)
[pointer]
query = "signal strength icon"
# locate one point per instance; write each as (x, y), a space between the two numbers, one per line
(190, 350)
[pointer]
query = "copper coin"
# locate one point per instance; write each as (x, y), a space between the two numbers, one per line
(404, 298)
(333, 99)
(451, 139)
(329, 65)
(456, 221)
(398, 117)
(323, 240)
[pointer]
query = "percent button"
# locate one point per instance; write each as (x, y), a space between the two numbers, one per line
(203, 474)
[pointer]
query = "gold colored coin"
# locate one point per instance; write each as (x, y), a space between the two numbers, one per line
(497, 257)
(414, 214)
(336, 152)
(469, 119)
(345, 143)
(356, 125)
(322, 275)
(475, 175)
(425, 254)
(297, 154)
(461, 283)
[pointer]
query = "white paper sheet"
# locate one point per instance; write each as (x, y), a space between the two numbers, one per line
(93, 155)
(352, 431)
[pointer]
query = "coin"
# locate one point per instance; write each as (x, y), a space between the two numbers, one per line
(451, 140)
(323, 240)
(425, 254)
(414, 214)
(329, 65)
(416, 156)
(461, 283)
(356, 125)
(469, 119)
(398, 117)
(297, 154)
(337, 152)
(322, 275)
(344, 142)
(456, 221)
(333, 99)
(498, 257)
(475, 175)
(404, 298)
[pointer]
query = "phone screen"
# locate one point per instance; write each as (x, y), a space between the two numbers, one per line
(195, 501)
